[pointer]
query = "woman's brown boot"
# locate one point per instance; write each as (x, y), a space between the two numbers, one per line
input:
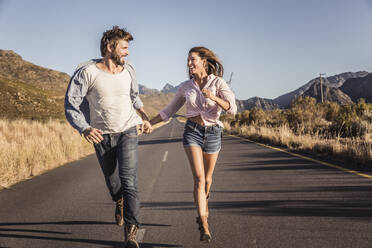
(205, 235)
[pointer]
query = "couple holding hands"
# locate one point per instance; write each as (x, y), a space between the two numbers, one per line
(102, 102)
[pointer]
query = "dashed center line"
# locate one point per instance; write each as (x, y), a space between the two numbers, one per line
(165, 156)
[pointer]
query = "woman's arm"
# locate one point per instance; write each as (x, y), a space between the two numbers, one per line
(226, 94)
(225, 105)
(156, 120)
(167, 112)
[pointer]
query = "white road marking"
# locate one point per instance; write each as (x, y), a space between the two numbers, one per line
(140, 235)
(165, 156)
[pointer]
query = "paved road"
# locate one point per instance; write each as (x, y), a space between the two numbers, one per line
(260, 198)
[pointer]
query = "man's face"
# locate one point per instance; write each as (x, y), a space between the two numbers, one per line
(120, 52)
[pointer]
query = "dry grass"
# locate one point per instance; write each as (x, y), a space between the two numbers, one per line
(29, 148)
(355, 150)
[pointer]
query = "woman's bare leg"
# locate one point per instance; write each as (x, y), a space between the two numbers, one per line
(209, 165)
(195, 156)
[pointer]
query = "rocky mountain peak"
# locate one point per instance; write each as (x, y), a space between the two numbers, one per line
(330, 94)
(168, 88)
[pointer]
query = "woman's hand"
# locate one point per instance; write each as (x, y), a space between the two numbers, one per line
(208, 94)
(221, 102)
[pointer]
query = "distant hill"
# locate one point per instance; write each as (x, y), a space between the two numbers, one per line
(147, 91)
(23, 100)
(30, 91)
(357, 88)
(256, 102)
(330, 94)
(13, 67)
(168, 88)
(335, 81)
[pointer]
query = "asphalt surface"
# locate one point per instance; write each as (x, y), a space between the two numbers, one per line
(259, 198)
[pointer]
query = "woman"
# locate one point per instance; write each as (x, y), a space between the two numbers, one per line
(206, 94)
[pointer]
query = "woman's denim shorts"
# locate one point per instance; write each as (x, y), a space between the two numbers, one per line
(208, 138)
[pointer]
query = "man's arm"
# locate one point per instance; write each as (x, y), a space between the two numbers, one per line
(134, 89)
(146, 126)
(143, 114)
(74, 98)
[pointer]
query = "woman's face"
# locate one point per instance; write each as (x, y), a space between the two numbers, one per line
(196, 64)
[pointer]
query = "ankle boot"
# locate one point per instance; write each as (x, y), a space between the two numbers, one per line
(130, 232)
(119, 212)
(205, 235)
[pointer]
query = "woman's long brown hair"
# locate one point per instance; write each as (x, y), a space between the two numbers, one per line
(214, 65)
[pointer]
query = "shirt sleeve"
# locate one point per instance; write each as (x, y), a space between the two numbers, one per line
(134, 90)
(75, 101)
(226, 93)
(172, 108)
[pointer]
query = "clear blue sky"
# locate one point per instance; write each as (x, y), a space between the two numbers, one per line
(271, 46)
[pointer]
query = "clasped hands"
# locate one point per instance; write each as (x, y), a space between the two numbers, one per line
(146, 127)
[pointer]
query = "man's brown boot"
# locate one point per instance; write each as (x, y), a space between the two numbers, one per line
(130, 236)
(205, 235)
(119, 212)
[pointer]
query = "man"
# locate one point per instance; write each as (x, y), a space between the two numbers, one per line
(109, 88)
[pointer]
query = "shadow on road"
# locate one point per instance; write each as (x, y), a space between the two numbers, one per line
(158, 141)
(299, 208)
(151, 245)
(162, 225)
(10, 233)
(56, 223)
(88, 241)
(30, 230)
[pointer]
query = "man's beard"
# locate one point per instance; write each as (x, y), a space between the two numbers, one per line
(117, 60)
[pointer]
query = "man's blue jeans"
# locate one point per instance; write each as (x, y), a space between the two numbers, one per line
(117, 155)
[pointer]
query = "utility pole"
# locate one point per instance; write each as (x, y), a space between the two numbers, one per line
(229, 82)
(321, 86)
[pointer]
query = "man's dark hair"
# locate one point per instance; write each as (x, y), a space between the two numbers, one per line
(112, 36)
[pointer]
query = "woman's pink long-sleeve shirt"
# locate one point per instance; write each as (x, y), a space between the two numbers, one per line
(196, 104)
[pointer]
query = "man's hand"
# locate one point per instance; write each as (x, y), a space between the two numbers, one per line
(208, 94)
(93, 135)
(146, 127)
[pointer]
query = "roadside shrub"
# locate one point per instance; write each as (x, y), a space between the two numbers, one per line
(344, 131)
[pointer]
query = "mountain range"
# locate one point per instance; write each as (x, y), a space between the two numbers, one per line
(360, 87)
(168, 88)
(335, 81)
(342, 88)
(35, 92)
